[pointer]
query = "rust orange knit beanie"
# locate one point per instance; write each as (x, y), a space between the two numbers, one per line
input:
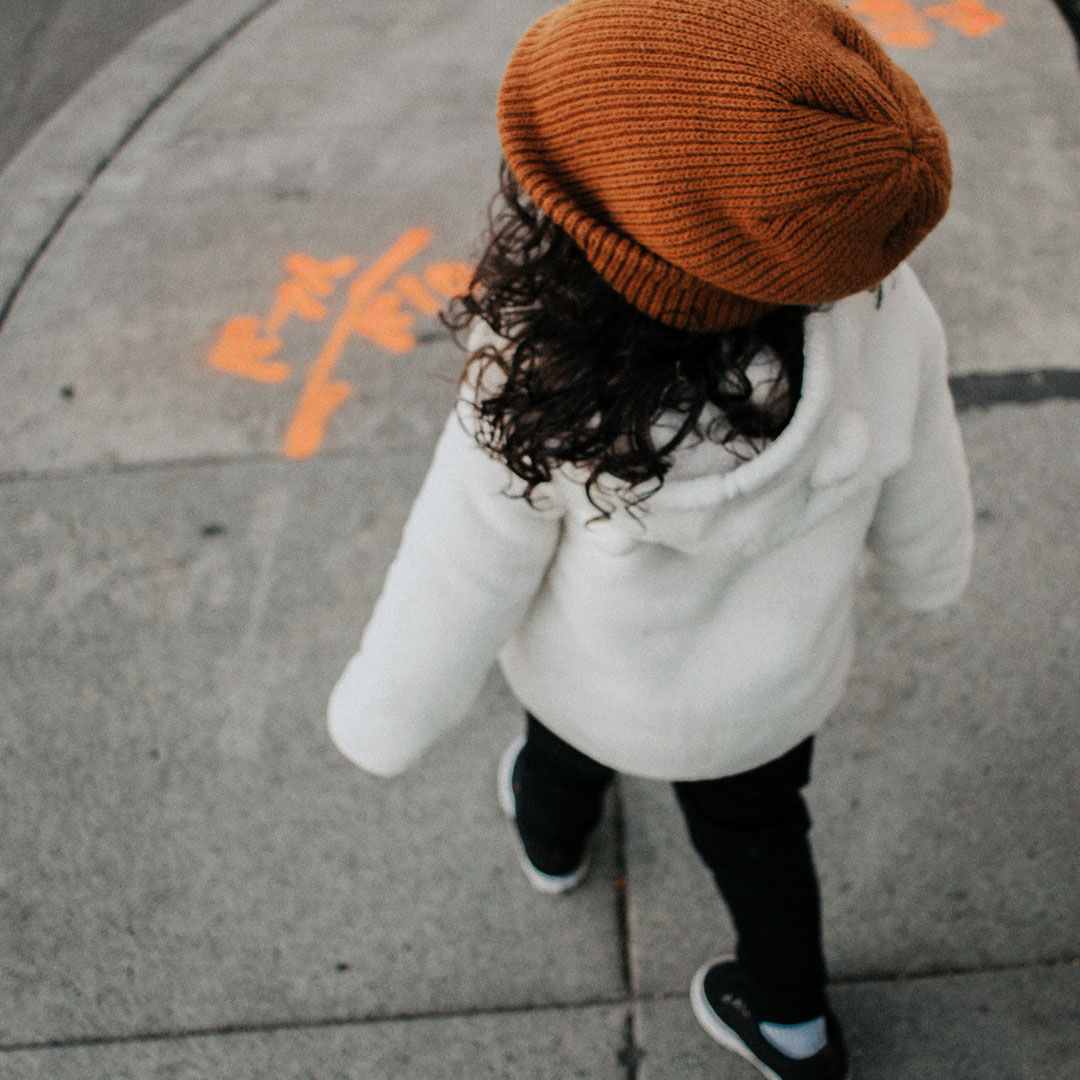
(717, 158)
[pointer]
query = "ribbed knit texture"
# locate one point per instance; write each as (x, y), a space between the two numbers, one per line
(717, 158)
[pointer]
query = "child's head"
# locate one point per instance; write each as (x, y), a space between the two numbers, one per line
(717, 158)
(685, 179)
(583, 375)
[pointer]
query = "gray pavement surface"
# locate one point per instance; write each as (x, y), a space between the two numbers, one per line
(49, 48)
(222, 382)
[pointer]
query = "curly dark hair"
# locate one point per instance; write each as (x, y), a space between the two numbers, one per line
(586, 375)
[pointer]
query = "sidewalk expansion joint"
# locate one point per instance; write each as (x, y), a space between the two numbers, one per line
(270, 1027)
(107, 159)
(622, 878)
(630, 1054)
(926, 974)
(976, 390)
(196, 461)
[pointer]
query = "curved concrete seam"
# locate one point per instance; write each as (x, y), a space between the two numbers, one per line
(44, 183)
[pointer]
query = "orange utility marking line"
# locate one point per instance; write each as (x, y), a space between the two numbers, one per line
(320, 397)
(294, 299)
(449, 279)
(412, 288)
(240, 351)
(896, 22)
(900, 23)
(970, 17)
(384, 322)
(310, 278)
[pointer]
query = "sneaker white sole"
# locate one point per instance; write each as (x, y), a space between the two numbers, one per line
(549, 884)
(715, 1027)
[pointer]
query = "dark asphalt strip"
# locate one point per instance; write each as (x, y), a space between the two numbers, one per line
(983, 389)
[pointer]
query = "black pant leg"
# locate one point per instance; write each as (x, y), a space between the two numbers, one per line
(751, 831)
(559, 791)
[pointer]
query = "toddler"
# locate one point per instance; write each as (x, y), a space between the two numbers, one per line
(703, 396)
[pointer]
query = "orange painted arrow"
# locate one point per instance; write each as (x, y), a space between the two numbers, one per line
(367, 314)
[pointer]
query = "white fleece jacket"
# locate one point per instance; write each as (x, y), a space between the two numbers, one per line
(714, 633)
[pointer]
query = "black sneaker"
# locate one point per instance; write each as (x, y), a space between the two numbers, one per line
(719, 1004)
(549, 871)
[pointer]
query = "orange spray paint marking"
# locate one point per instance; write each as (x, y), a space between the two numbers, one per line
(368, 312)
(310, 280)
(240, 351)
(246, 346)
(412, 288)
(900, 23)
(970, 17)
(896, 22)
(241, 347)
(449, 279)
(384, 322)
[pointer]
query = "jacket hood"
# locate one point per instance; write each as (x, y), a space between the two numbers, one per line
(711, 498)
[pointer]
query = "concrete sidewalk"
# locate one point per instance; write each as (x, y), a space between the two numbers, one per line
(222, 382)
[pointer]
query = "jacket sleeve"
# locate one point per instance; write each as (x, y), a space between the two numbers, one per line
(470, 560)
(921, 535)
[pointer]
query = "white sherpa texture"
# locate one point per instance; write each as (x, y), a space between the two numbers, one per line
(713, 634)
